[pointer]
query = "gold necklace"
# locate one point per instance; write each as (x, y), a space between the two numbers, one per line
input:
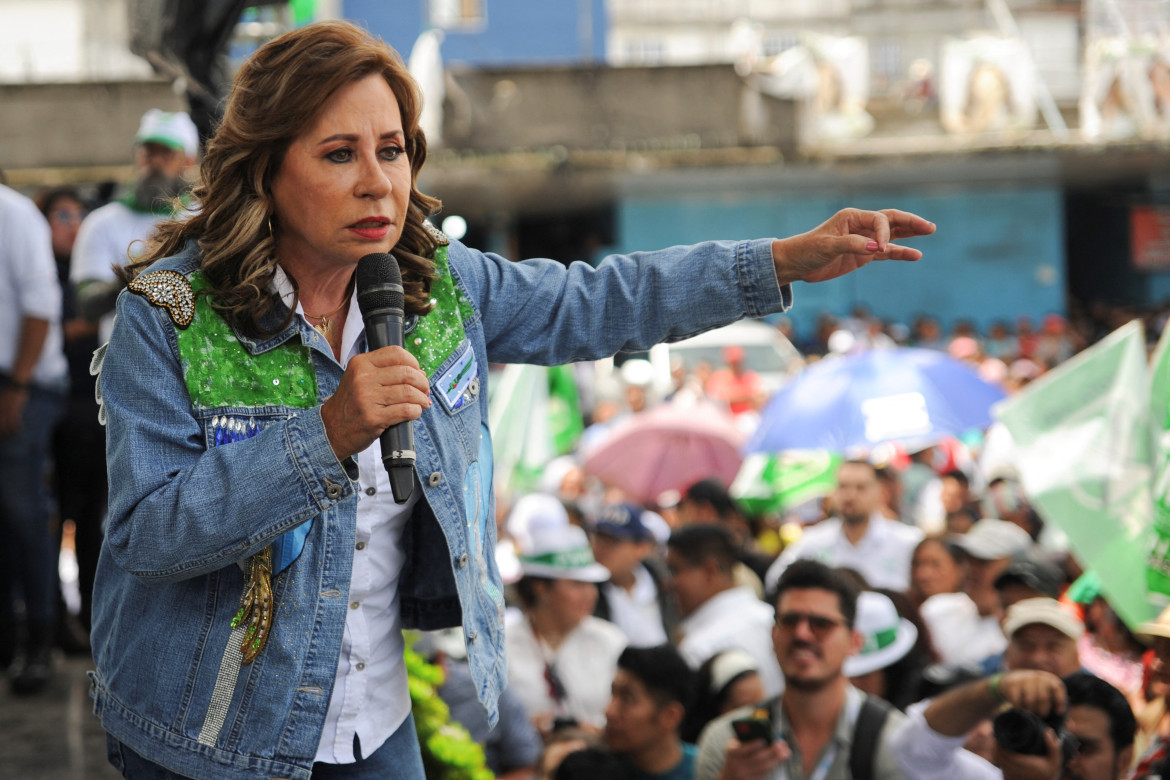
(325, 328)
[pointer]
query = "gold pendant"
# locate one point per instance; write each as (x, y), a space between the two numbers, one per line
(256, 605)
(325, 328)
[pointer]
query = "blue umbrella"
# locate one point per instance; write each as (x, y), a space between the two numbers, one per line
(858, 401)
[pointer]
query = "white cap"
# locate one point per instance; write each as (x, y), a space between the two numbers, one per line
(728, 665)
(173, 129)
(532, 512)
(886, 636)
(1044, 611)
(562, 552)
(991, 539)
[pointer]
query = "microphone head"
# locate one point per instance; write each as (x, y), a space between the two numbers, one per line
(379, 284)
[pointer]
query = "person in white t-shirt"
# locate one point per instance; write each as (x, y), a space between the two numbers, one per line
(716, 614)
(966, 626)
(634, 599)
(561, 659)
(33, 380)
(164, 146)
(859, 537)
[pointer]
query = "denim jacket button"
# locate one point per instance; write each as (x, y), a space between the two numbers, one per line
(471, 635)
(332, 489)
(434, 479)
(462, 560)
(473, 387)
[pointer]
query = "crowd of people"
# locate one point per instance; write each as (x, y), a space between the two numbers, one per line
(648, 640)
(909, 623)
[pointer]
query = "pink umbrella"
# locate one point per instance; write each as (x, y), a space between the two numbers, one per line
(669, 447)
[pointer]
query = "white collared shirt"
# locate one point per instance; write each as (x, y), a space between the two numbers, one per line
(882, 555)
(636, 611)
(585, 664)
(370, 693)
(29, 287)
(737, 619)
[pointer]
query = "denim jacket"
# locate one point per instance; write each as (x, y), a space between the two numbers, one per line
(184, 512)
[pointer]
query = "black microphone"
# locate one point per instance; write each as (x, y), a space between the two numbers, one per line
(382, 302)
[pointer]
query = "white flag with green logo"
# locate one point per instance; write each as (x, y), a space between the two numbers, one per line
(1083, 439)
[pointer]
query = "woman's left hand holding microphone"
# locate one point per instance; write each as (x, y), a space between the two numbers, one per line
(377, 390)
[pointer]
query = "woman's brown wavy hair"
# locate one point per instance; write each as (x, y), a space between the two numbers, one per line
(276, 96)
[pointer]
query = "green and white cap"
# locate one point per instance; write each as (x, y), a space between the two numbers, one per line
(173, 129)
(886, 637)
(561, 552)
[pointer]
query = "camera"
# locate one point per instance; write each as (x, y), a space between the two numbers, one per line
(1022, 732)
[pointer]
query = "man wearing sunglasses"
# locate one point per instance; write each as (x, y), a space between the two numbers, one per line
(821, 727)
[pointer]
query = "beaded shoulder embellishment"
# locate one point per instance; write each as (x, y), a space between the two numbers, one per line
(439, 236)
(171, 290)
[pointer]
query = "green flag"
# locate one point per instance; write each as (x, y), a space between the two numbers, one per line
(564, 409)
(535, 415)
(521, 440)
(1159, 405)
(1082, 433)
(770, 483)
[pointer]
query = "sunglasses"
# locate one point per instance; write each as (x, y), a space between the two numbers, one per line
(818, 624)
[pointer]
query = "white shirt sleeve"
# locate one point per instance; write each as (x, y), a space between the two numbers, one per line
(924, 754)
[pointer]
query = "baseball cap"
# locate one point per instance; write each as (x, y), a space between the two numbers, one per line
(1043, 611)
(532, 512)
(990, 539)
(886, 636)
(172, 129)
(623, 521)
(1158, 627)
(562, 552)
(1037, 574)
(728, 665)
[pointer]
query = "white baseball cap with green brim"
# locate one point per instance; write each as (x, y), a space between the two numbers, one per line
(561, 552)
(173, 129)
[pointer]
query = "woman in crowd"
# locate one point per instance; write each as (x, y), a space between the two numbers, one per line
(257, 569)
(935, 568)
(561, 659)
(724, 682)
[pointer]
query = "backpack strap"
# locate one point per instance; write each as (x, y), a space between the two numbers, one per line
(870, 721)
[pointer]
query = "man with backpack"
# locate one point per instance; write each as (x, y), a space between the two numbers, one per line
(820, 727)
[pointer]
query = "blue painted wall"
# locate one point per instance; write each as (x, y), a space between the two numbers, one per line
(515, 32)
(998, 252)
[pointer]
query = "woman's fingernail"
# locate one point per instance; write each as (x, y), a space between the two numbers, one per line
(872, 246)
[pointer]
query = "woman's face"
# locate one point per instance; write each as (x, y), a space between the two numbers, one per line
(744, 692)
(934, 571)
(343, 188)
(64, 219)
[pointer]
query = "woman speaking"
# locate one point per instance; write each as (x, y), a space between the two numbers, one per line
(257, 571)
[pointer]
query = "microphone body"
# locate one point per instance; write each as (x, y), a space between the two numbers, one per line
(381, 301)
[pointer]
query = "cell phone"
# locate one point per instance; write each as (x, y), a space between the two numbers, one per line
(757, 726)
